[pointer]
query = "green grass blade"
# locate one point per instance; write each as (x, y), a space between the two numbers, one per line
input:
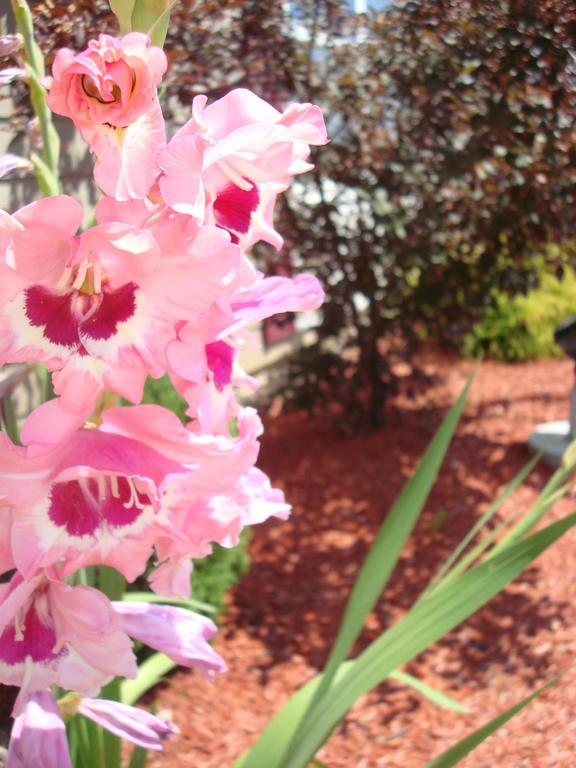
(446, 567)
(551, 493)
(486, 542)
(457, 752)
(150, 673)
(425, 690)
(425, 623)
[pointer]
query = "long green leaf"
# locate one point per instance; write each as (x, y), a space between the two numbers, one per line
(380, 562)
(425, 623)
(285, 722)
(371, 580)
(446, 567)
(459, 751)
(138, 758)
(552, 490)
(150, 673)
(436, 697)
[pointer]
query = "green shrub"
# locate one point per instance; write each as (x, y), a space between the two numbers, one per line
(214, 575)
(522, 327)
(162, 392)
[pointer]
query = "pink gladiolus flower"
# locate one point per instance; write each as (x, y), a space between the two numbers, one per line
(55, 634)
(234, 156)
(101, 308)
(181, 634)
(92, 499)
(38, 738)
(109, 91)
(105, 495)
(131, 723)
(111, 495)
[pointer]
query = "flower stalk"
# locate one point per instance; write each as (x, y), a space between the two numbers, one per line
(46, 165)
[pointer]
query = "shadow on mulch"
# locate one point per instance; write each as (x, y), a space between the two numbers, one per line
(293, 597)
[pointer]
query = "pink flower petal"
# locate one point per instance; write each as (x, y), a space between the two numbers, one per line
(126, 167)
(181, 634)
(131, 723)
(181, 160)
(39, 735)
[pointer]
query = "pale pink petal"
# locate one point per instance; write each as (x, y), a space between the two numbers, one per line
(172, 578)
(308, 122)
(181, 160)
(83, 617)
(187, 283)
(237, 108)
(126, 167)
(60, 212)
(126, 253)
(50, 424)
(38, 738)
(41, 253)
(275, 294)
(126, 722)
(10, 163)
(6, 556)
(181, 634)
(133, 212)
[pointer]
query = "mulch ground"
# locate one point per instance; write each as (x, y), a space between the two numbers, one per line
(283, 615)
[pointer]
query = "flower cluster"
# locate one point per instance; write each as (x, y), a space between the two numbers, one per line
(160, 284)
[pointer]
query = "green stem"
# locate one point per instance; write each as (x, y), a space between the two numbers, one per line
(46, 167)
(113, 585)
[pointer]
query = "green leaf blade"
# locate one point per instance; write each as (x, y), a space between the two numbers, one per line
(428, 621)
(459, 751)
(441, 700)
(150, 673)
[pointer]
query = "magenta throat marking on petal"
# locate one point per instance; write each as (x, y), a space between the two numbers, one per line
(116, 307)
(82, 506)
(33, 638)
(234, 207)
(53, 313)
(220, 358)
(65, 317)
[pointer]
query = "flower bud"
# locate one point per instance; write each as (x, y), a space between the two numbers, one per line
(131, 723)
(39, 735)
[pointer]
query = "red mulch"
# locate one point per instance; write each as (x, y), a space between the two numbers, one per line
(284, 614)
